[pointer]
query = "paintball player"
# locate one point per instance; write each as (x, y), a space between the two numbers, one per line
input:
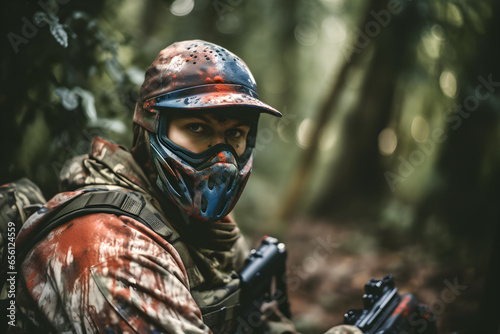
(142, 240)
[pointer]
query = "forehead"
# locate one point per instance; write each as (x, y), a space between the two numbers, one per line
(217, 115)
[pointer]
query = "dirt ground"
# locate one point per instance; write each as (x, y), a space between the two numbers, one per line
(328, 266)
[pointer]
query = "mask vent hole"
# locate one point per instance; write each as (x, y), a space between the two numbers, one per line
(211, 182)
(204, 203)
(174, 183)
(189, 182)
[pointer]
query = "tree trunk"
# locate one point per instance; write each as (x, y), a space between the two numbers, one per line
(359, 173)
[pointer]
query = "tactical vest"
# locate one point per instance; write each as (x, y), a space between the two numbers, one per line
(217, 293)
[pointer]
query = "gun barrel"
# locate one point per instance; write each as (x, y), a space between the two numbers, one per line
(380, 311)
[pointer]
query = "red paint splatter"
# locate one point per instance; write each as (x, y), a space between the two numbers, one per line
(402, 307)
(148, 105)
(222, 157)
(224, 88)
(61, 198)
(31, 280)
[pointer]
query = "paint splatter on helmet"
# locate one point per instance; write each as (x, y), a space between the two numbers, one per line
(192, 77)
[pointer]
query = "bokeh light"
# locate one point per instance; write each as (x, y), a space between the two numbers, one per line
(387, 141)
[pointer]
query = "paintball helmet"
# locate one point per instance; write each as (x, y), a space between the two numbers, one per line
(190, 77)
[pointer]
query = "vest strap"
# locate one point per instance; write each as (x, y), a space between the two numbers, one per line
(131, 204)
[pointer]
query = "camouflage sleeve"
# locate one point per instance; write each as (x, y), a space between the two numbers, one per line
(102, 273)
(275, 322)
(344, 329)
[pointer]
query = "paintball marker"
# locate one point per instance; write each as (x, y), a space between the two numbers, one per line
(263, 279)
(386, 312)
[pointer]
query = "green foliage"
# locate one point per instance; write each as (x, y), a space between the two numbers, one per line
(57, 59)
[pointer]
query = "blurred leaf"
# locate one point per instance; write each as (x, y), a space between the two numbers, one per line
(68, 97)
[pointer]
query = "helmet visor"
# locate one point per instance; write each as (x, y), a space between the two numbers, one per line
(212, 96)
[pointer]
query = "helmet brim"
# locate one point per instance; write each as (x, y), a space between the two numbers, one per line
(216, 96)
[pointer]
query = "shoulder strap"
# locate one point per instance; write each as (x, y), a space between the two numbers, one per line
(128, 203)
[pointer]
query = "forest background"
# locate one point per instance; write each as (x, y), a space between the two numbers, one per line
(385, 160)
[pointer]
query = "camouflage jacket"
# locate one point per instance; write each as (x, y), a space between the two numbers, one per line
(109, 273)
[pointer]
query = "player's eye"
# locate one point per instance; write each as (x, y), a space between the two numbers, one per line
(196, 128)
(235, 133)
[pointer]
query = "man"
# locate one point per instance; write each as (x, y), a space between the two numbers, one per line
(142, 241)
